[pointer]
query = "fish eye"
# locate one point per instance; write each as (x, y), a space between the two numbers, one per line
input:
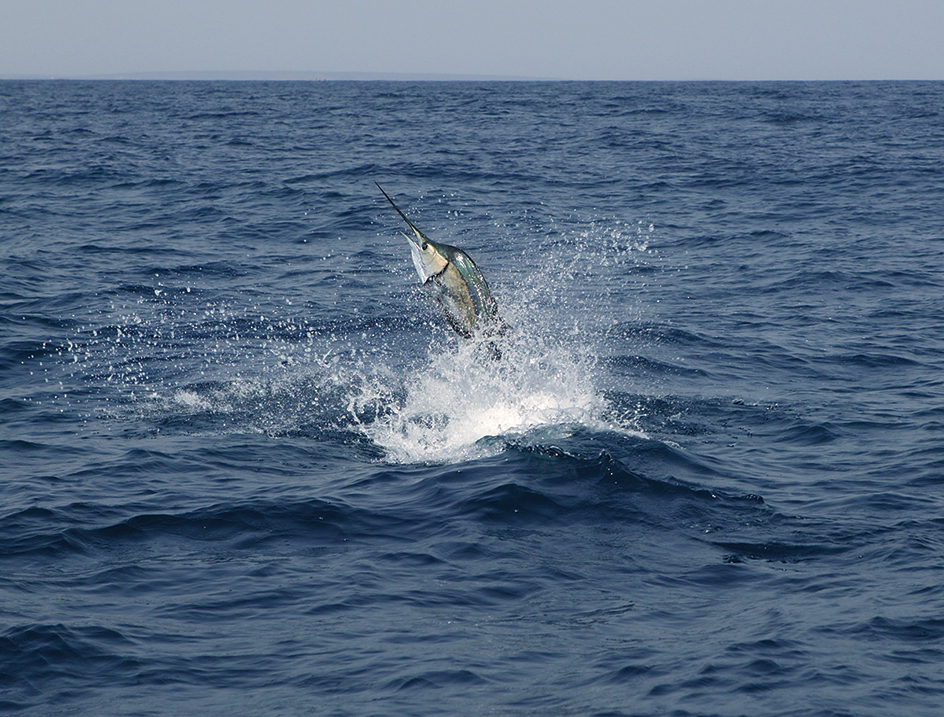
(425, 246)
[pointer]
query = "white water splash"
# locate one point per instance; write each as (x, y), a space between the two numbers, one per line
(176, 364)
(462, 397)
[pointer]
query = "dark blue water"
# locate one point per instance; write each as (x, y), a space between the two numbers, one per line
(246, 469)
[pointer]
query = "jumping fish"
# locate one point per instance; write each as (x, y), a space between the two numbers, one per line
(456, 282)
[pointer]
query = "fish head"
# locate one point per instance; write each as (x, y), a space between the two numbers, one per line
(429, 258)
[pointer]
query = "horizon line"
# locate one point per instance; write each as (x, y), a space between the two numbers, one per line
(304, 76)
(282, 75)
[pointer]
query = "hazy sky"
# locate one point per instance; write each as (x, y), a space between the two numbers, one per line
(565, 39)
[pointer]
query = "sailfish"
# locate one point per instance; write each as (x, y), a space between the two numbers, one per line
(453, 278)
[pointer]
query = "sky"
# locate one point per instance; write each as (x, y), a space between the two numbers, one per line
(553, 39)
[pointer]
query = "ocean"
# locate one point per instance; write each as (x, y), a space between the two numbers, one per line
(247, 469)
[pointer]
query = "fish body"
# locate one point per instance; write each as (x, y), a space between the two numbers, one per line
(456, 282)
